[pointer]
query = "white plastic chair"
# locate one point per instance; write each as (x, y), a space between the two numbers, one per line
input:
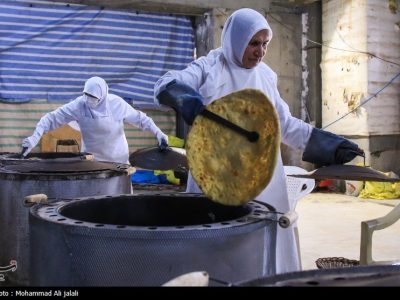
(368, 228)
(297, 188)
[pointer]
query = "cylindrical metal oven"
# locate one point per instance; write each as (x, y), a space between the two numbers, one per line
(61, 178)
(148, 239)
(372, 275)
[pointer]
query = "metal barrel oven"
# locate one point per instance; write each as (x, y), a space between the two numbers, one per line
(56, 177)
(148, 239)
(371, 275)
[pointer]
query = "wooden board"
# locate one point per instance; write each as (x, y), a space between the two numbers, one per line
(48, 143)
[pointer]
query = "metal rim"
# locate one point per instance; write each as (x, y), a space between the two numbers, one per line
(52, 212)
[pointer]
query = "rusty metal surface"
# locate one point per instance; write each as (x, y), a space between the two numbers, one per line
(347, 172)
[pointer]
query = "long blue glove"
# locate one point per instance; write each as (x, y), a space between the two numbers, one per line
(163, 145)
(183, 99)
(325, 148)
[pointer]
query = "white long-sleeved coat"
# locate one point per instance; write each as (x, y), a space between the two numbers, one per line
(220, 73)
(102, 127)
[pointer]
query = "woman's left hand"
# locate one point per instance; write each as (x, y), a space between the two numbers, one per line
(162, 140)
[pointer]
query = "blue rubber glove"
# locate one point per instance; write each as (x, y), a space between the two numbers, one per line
(325, 148)
(163, 145)
(183, 99)
(29, 143)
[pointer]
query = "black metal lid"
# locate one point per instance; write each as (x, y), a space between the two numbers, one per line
(154, 159)
(347, 172)
(63, 166)
(7, 158)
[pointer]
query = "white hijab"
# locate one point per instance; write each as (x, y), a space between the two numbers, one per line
(227, 74)
(238, 30)
(97, 87)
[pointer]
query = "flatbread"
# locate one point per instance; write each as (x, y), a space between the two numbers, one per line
(227, 167)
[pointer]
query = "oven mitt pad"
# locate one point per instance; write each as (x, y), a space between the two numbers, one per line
(325, 148)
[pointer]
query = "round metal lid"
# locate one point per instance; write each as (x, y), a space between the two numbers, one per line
(62, 166)
(7, 158)
(154, 159)
(347, 172)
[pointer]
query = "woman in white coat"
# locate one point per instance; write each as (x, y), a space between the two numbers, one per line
(101, 118)
(235, 66)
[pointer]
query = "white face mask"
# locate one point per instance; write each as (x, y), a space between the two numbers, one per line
(92, 102)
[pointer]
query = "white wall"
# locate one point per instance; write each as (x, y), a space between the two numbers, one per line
(360, 56)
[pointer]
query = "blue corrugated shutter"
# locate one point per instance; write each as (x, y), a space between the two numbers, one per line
(48, 50)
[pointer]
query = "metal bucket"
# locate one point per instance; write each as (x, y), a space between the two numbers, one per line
(145, 240)
(18, 180)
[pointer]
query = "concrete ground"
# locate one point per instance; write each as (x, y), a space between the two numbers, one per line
(330, 226)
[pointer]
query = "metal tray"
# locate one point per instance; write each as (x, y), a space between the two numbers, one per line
(347, 172)
(154, 159)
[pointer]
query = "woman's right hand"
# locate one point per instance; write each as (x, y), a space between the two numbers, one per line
(183, 99)
(29, 143)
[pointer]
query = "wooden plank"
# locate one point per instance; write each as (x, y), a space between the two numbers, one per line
(49, 141)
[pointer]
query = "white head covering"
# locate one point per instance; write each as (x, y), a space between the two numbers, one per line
(97, 87)
(238, 30)
(225, 73)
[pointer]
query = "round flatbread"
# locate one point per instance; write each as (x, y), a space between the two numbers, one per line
(227, 167)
